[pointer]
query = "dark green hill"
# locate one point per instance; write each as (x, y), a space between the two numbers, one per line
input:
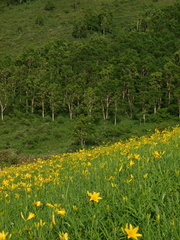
(22, 25)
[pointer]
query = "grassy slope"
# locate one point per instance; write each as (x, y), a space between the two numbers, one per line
(138, 182)
(18, 29)
(24, 139)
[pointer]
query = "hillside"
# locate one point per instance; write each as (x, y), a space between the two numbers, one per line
(28, 24)
(128, 190)
(76, 76)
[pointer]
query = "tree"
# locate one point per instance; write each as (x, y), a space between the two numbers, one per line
(41, 94)
(127, 72)
(5, 90)
(70, 96)
(155, 91)
(55, 98)
(106, 88)
(105, 21)
(4, 98)
(90, 100)
(79, 29)
(83, 130)
(31, 90)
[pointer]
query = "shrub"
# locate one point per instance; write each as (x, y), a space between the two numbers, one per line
(8, 157)
(39, 20)
(49, 6)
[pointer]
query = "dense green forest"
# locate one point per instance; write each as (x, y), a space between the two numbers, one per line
(106, 68)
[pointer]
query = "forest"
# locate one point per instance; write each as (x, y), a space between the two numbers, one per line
(105, 72)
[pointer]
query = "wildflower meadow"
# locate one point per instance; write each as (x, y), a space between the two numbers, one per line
(129, 190)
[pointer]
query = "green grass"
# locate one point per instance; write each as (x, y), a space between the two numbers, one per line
(19, 29)
(138, 181)
(31, 137)
(23, 139)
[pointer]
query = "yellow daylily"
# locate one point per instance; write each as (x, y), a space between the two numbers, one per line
(94, 196)
(30, 216)
(39, 224)
(132, 232)
(61, 212)
(63, 236)
(53, 219)
(3, 235)
(37, 203)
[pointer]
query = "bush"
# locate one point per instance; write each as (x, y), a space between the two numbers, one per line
(49, 6)
(8, 157)
(39, 20)
(60, 119)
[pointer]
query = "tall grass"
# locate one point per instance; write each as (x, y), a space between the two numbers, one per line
(138, 181)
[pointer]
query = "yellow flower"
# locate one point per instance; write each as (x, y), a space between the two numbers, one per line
(145, 175)
(3, 235)
(37, 203)
(158, 217)
(125, 198)
(5, 182)
(57, 205)
(62, 212)
(53, 219)
(110, 178)
(53, 206)
(75, 208)
(131, 163)
(172, 223)
(39, 224)
(120, 169)
(63, 236)
(30, 216)
(114, 185)
(49, 205)
(132, 232)
(128, 181)
(17, 195)
(136, 156)
(27, 175)
(156, 154)
(94, 196)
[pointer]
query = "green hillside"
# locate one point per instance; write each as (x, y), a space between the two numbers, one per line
(28, 24)
(80, 73)
(129, 190)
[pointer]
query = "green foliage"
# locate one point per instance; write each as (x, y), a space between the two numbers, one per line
(49, 6)
(79, 30)
(93, 21)
(28, 136)
(83, 130)
(39, 20)
(10, 157)
(125, 16)
(15, 2)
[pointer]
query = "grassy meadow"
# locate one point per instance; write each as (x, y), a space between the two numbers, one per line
(129, 190)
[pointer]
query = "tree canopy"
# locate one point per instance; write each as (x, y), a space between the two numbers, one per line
(135, 73)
